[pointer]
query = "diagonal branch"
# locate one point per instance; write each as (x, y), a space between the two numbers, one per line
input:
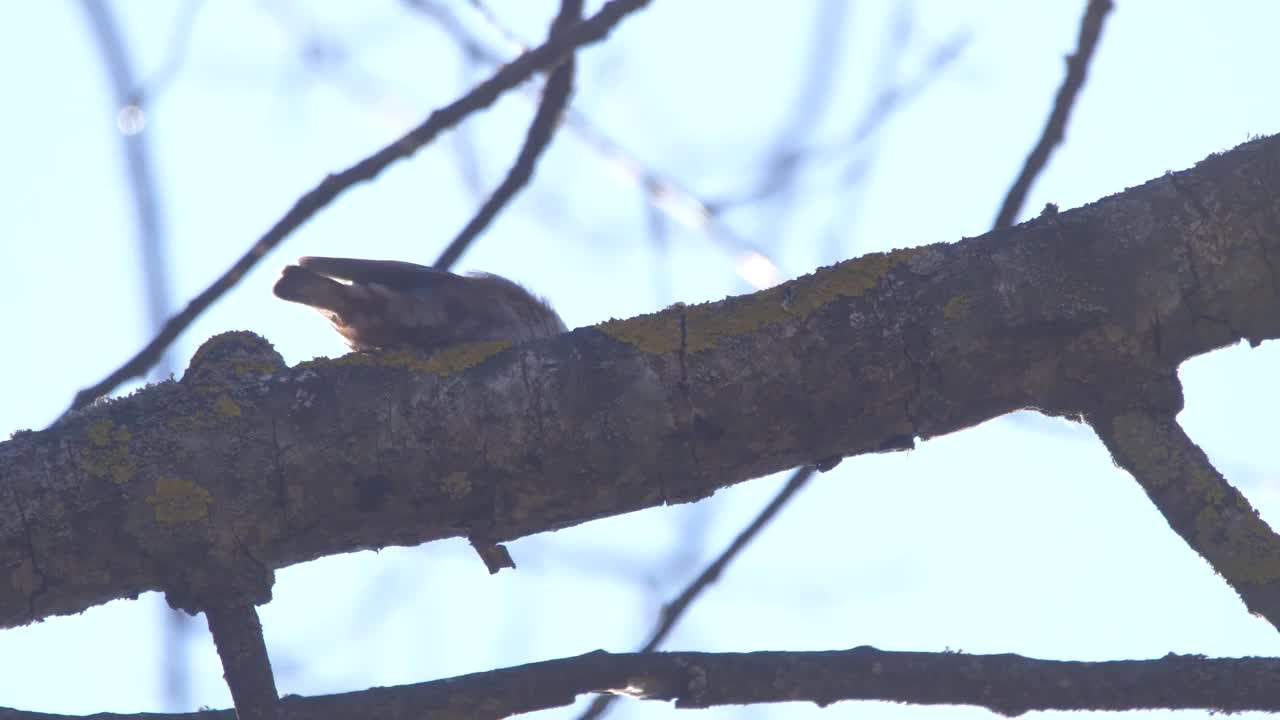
(1055, 127)
(555, 98)
(1206, 511)
(138, 164)
(676, 609)
(546, 56)
(662, 193)
(370, 450)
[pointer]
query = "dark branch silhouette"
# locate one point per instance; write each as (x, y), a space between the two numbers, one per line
(677, 608)
(555, 98)
(544, 57)
(1055, 127)
(1007, 684)
(662, 193)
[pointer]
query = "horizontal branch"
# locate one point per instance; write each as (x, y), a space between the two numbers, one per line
(204, 487)
(1006, 684)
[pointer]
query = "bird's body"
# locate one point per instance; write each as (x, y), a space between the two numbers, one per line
(384, 304)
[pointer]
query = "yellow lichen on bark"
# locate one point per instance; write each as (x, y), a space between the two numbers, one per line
(707, 325)
(179, 501)
(107, 455)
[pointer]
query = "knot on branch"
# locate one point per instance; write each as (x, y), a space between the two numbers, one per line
(232, 357)
(225, 578)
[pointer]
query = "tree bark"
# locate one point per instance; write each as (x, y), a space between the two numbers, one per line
(204, 487)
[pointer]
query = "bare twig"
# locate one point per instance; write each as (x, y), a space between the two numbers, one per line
(129, 94)
(1055, 127)
(555, 98)
(676, 609)
(751, 262)
(547, 55)
(672, 613)
(891, 97)
(151, 240)
(180, 39)
(815, 92)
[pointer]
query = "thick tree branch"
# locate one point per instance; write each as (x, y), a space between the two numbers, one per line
(209, 484)
(1006, 684)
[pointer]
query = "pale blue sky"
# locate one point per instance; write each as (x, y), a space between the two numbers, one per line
(1015, 536)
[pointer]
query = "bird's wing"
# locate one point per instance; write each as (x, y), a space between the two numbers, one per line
(391, 273)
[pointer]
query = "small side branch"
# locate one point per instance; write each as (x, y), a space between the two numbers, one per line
(1211, 515)
(237, 633)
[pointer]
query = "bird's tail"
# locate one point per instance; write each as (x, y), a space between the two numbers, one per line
(300, 285)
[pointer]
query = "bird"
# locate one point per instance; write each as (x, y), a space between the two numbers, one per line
(389, 304)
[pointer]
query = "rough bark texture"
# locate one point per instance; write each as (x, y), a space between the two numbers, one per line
(202, 488)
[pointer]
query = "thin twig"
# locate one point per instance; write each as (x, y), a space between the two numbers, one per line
(1055, 128)
(751, 262)
(547, 55)
(142, 185)
(555, 98)
(815, 93)
(890, 95)
(179, 40)
(676, 609)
